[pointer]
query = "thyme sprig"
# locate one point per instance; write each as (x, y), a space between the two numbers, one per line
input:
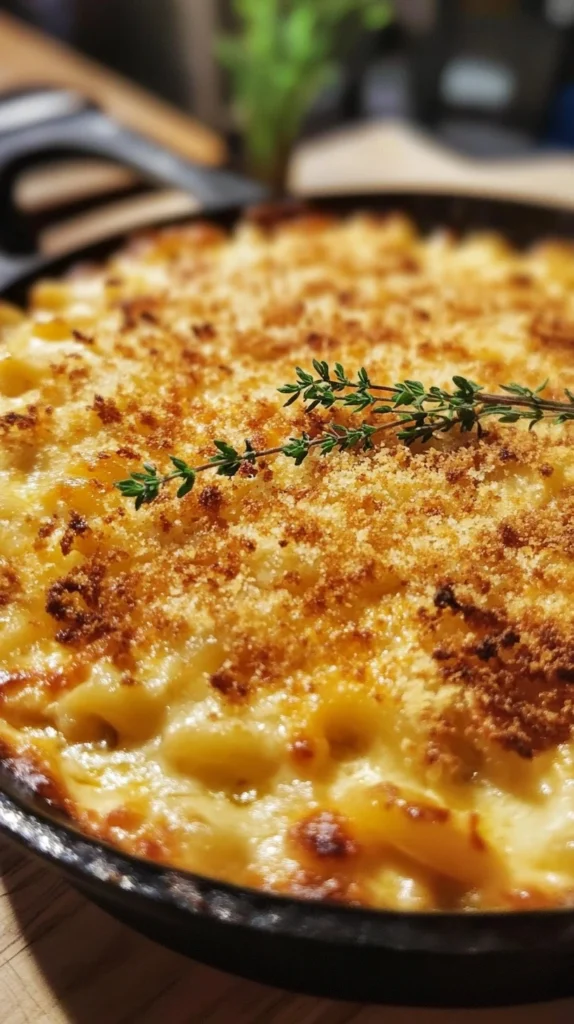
(422, 414)
(432, 411)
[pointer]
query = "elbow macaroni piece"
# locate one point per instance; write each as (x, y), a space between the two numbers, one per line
(447, 842)
(222, 755)
(92, 709)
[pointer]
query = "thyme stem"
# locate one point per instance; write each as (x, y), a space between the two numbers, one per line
(487, 399)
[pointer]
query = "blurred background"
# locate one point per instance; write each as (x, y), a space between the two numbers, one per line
(489, 77)
(325, 95)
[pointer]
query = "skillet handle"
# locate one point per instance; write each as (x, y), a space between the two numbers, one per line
(40, 124)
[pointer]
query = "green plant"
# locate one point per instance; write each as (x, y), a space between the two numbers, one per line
(283, 53)
(422, 414)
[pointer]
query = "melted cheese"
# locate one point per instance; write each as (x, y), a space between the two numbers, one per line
(352, 679)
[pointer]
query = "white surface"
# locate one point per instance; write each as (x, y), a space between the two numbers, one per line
(393, 155)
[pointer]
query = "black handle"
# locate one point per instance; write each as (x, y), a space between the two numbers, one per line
(40, 124)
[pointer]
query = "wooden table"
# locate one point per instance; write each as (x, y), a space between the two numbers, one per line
(62, 959)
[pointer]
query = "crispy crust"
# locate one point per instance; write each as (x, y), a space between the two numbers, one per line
(400, 616)
(35, 778)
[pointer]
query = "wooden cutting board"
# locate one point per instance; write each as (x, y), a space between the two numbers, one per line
(62, 959)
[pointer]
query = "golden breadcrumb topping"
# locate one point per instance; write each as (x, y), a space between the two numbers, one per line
(352, 679)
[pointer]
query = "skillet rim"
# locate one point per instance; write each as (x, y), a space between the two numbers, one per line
(29, 820)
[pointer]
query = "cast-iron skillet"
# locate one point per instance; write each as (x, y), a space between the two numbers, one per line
(448, 959)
